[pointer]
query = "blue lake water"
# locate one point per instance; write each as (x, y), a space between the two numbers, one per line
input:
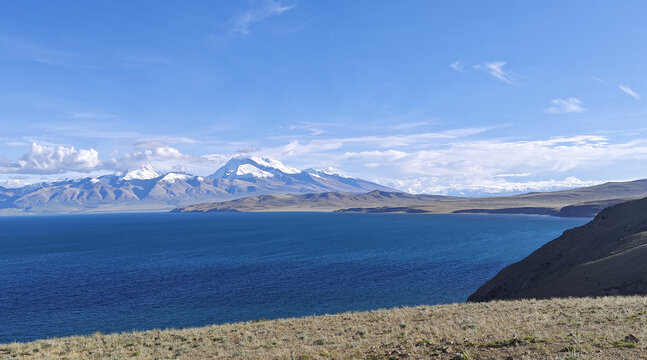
(77, 274)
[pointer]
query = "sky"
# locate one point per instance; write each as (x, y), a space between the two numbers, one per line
(442, 97)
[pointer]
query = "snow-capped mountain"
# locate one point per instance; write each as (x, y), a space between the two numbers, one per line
(256, 176)
(145, 173)
(253, 167)
(148, 189)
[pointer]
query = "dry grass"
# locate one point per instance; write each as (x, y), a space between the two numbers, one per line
(603, 328)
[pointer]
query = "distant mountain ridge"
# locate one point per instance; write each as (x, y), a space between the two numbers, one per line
(328, 201)
(580, 202)
(148, 189)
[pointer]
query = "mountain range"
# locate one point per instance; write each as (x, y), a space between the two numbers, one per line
(263, 184)
(148, 189)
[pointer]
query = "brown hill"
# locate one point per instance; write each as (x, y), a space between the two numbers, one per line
(607, 256)
(581, 202)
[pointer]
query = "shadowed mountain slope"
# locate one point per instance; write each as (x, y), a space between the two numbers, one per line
(607, 256)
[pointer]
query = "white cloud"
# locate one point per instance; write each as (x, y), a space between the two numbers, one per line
(458, 66)
(512, 175)
(496, 69)
(157, 153)
(627, 90)
(221, 158)
(486, 165)
(45, 159)
(563, 106)
(167, 152)
(15, 181)
(388, 155)
(164, 158)
(465, 187)
(242, 23)
(56, 159)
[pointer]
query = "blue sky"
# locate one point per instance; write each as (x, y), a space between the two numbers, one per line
(427, 96)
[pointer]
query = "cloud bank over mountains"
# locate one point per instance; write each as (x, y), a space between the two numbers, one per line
(458, 161)
(60, 159)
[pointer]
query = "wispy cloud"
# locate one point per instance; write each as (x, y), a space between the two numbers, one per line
(16, 48)
(496, 69)
(297, 148)
(564, 106)
(600, 80)
(91, 115)
(627, 90)
(458, 66)
(88, 125)
(411, 125)
(242, 23)
(312, 128)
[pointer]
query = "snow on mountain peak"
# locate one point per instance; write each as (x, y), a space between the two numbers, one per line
(274, 164)
(246, 169)
(256, 166)
(172, 177)
(145, 173)
(327, 171)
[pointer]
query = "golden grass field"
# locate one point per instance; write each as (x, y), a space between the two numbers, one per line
(602, 328)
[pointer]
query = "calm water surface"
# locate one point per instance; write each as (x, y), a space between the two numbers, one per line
(77, 274)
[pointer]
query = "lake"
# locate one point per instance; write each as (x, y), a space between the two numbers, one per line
(76, 274)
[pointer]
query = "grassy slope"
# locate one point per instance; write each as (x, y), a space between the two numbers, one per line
(553, 329)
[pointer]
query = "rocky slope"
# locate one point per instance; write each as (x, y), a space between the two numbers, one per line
(607, 256)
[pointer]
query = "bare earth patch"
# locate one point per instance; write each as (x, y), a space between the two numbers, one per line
(601, 328)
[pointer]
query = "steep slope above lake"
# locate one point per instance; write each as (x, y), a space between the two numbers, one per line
(604, 257)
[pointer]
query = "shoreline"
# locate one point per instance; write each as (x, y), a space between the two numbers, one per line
(339, 211)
